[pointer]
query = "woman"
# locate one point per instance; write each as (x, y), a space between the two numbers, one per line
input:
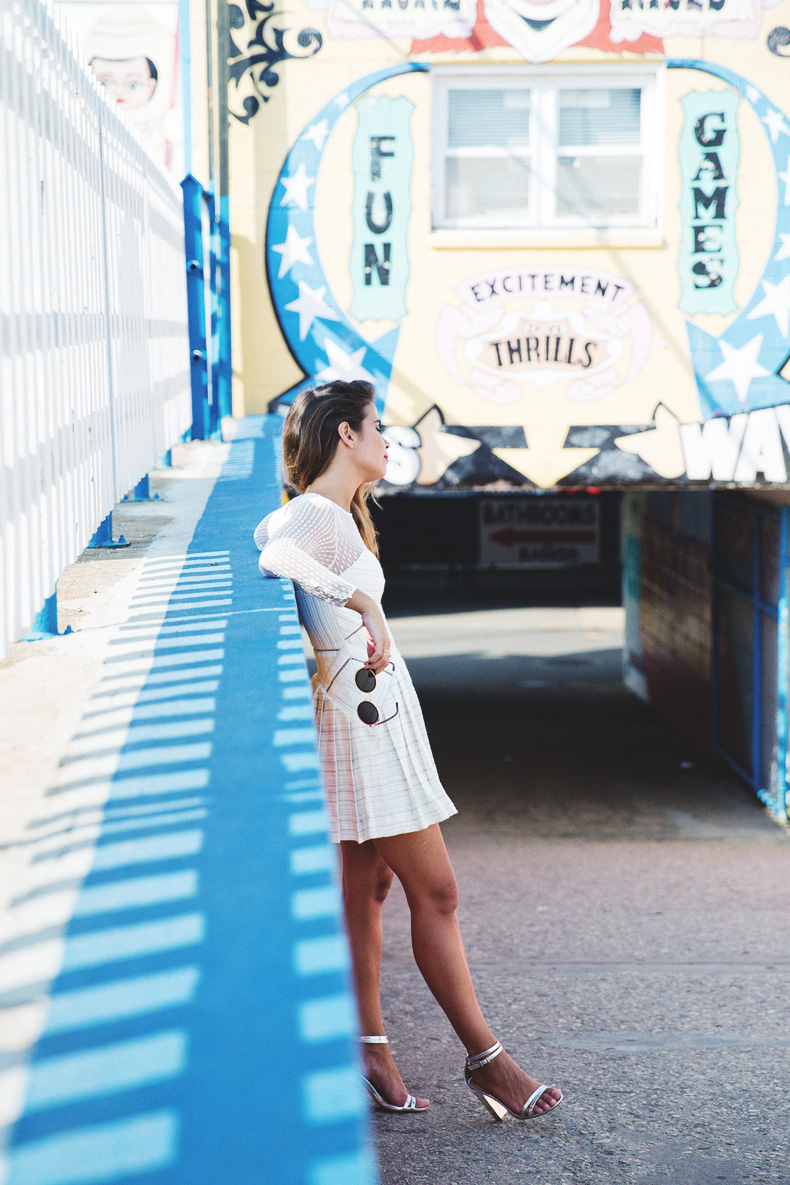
(384, 795)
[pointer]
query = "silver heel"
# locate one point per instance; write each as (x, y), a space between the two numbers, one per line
(497, 1109)
(491, 1103)
(411, 1101)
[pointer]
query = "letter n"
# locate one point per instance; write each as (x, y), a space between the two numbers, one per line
(382, 267)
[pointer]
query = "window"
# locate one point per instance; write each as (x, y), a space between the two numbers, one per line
(556, 149)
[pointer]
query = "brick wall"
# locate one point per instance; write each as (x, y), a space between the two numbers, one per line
(668, 554)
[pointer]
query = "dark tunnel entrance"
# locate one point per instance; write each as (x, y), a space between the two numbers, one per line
(591, 637)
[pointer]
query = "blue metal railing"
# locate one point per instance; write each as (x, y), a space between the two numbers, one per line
(209, 345)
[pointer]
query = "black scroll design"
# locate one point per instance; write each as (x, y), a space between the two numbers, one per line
(257, 46)
(779, 40)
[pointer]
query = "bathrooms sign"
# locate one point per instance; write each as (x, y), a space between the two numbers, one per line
(558, 532)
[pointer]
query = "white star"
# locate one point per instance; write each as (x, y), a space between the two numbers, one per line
(342, 101)
(786, 178)
(752, 94)
(776, 125)
(739, 366)
(343, 365)
(295, 249)
(775, 303)
(318, 133)
(296, 186)
(784, 250)
(309, 305)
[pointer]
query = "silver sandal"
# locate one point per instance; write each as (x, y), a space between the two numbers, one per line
(490, 1101)
(411, 1101)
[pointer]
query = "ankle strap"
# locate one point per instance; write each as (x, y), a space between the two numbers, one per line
(478, 1060)
(374, 1040)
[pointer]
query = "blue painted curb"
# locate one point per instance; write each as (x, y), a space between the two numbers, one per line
(201, 1030)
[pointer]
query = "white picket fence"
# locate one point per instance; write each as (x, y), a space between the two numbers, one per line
(94, 352)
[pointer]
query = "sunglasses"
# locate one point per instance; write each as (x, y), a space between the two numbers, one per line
(368, 713)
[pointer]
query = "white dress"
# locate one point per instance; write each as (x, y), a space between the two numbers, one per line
(380, 778)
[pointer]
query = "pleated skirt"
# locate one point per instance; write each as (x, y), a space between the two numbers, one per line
(380, 779)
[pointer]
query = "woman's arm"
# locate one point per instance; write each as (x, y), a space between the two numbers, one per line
(376, 627)
(282, 556)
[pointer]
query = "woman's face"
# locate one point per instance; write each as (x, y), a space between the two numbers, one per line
(372, 448)
(128, 83)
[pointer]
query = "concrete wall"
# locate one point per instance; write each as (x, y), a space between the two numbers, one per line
(705, 580)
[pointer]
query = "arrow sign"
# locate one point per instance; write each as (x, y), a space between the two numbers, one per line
(740, 369)
(319, 335)
(510, 536)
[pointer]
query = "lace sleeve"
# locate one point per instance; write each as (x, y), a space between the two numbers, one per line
(310, 542)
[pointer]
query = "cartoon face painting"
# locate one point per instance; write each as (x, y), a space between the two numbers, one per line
(129, 82)
(540, 29)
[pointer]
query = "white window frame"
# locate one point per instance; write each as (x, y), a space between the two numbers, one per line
(544, 84)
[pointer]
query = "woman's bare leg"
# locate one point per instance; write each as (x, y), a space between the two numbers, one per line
(420, 861)
(366, 883)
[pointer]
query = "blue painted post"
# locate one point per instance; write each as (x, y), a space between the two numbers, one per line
(167, 460)
(782, 663)
(141, 492)
(196, 308)
(46, 621)
(102, 537)
(45, 624)
(213, 279)
(225, 368)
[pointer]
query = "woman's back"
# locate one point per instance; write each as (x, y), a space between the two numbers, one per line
(316, 543)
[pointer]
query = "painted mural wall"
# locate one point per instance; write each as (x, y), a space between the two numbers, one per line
(132, 46)
(554, 233)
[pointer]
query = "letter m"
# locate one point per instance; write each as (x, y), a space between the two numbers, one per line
(711, 448)
(716, 199)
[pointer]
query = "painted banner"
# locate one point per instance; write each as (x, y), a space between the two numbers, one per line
(519, 328)
(685, 18)
(744, 367)
(381, 161)
(557, 532)
(406, 18)
(709, 151)
(322, 339)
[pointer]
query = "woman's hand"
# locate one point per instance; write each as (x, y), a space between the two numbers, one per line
(375, 627)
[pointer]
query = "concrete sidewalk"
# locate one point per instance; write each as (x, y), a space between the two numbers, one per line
(626, 920)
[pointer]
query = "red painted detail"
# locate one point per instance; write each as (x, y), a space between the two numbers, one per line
(483, 36)
(601, 37)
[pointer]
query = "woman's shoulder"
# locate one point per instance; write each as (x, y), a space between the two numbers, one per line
(318, 510)
(308, 513)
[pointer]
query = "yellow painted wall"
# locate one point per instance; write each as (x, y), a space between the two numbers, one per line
(264, 367)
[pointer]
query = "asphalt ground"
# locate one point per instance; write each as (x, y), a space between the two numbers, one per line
(624, 903)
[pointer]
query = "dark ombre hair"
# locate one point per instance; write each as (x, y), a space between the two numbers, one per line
(310, 440)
